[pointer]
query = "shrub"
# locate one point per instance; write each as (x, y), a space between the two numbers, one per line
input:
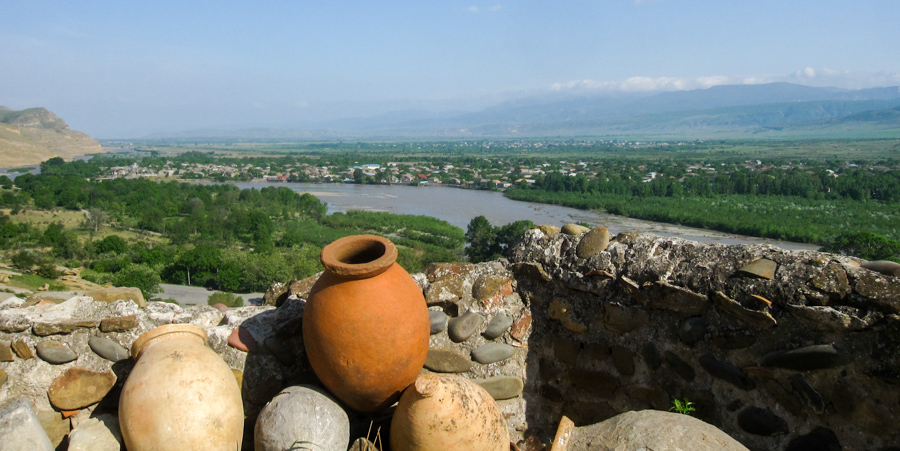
(226, 299)
(142, 277)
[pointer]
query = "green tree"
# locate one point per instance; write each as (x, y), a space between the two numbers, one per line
(142, 277)
(113, 244)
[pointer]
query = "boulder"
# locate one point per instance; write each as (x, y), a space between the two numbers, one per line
(651, 429)
(114, 294)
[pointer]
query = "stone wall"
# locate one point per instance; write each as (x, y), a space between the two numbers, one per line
(781, 350)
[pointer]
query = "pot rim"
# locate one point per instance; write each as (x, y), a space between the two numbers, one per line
(359, 256)
(141, 343)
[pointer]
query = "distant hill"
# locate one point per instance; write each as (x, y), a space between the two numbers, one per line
(774, 110)
(33, 135)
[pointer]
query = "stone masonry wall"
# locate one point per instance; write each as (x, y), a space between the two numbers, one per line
(781, 350)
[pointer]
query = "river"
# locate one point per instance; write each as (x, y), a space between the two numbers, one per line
(459, 206)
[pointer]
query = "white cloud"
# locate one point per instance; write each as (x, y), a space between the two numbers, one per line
(473, 9)
(495, 8)
(491, 9)
(807, 76)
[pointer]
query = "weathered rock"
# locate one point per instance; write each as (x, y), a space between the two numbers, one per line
(20, 348)
(100, 433)
(623, 360)
(492, 352)
(651, 355)
(819, 439)
(763, 268)
(786, 398)
(622, 320)
(447, 361)
(447, 293)
(67, 326)
(753, 318)
(592, 243)
(55, 352)
(438, 321)
(521, 325)
(6, 353)
(55, 425)
(734, 339)
(692, 330)
(21, 429)
(726, 371)
(808, 358)
(462, 327)
(832, 280)
(302, 415)
(280, 350)
(110, 295)
(656, 397)
(502, 387)
(883, 294)
(829, 319)
(565, 350)
(598, 383)
(78, 388)
(634, 290)
(108, 349)
(573, 229)
(119, 323)
(651, 430)
(489, 290)
(531, 271)
(885, 267)
(13, 323)
(758, 421)
(549, 229)
(663, 295)
(498, 325)
(811, 397)
(3, 378)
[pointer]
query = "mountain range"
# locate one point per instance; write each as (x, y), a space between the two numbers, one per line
(33, 135)
(770, 111)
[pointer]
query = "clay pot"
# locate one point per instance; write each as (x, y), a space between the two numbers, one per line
(366, 324)
(448, 412)
(180, 395)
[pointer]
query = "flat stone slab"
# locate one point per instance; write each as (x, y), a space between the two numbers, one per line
(492, 352)
(119, 323)
(808, 358)
(502, 387)
(63, 327)
(21, 429)
(55, 352)
(78, 388)
(447, 361)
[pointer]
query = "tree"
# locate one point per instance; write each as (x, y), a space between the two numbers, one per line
(95, 218)
(480, 237)
(113, 244)
(142, 277)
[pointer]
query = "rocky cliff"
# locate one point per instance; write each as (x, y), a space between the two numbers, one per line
(780, 350)
(34, 135)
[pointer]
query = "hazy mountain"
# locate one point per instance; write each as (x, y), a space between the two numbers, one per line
(34, 135)
(775, 109)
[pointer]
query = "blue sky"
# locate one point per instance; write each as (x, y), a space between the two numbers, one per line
(125, 69)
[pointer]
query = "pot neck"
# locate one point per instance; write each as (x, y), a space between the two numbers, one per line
(147, 338)
(359, 256)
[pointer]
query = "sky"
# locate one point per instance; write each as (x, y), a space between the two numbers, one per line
(121, 69)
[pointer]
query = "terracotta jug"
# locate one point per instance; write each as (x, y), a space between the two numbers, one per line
(448, 412)
(180, 395)
(365, 325)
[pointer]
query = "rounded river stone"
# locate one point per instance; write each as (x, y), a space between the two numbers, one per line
(692, 330)
(302, 414)
(447, 361)
(438, 321)
(55, 352)
(108, 349)
(462, 327)
(502, 387)
(593, 242)
(498, 326)
(760, 421)
(492, 352)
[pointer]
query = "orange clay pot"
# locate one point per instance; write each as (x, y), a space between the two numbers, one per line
(365, 326)
(180, 395)
(448, 412)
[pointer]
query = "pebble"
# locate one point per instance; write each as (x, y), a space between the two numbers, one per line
(78, 388)
(759, 421)
(241, 339)
(573, 229)
(438, 321)
(108, 349)
(492, 352)
(592, 243)
(6, 354)
(499, 324)
(21, 429)
(726, 371)
(280, 350)
(808, 358)
(692, 330)
(21, 348)
(502, 387)
(763, 267)
(447, 361)
(302, 414)
(55, 352)
(119, 323)
(462, 327)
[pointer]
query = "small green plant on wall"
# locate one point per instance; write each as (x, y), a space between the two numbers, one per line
(683, 407)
